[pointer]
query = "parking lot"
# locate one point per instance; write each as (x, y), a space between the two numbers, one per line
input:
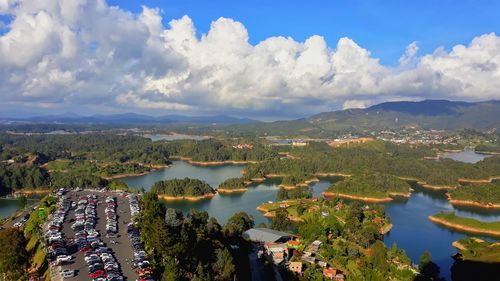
(95, 227)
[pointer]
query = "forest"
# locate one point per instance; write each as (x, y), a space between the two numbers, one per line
(233, 183)
(191, 247)
(369, 184)
(182, 187)
(386, 158)
(483, 193)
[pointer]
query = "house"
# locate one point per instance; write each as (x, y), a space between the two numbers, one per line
(276, 253)
(296, 267)
(266, 235)
(330, 272)
(314, 247)
(322, 264)
(309, 259)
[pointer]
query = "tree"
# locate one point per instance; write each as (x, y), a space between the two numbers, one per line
(23, 201)
(173, 217)
(237, 224)
(224, 267)
(280, 220)
(171, 272)
(13, 256)
(379, 256)
(428, 269)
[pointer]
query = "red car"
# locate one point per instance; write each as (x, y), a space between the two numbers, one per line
(97, 273)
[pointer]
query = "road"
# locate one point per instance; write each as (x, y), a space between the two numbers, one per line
(122, 250)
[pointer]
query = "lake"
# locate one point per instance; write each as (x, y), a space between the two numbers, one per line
(412, 230)
(467, 156)
(8, 206)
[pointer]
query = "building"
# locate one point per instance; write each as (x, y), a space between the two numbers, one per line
(266, 235)
(296, 267)
(330, 273)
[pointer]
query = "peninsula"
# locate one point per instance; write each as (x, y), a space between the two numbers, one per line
(183, 189)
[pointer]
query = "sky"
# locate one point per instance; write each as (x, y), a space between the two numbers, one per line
(260, 59)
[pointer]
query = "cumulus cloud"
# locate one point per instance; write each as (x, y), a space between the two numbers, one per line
(74, 54)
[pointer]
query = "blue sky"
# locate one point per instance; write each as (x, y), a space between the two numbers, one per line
(259, 59)
(383, 27)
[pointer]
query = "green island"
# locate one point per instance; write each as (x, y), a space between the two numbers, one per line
(232, 185)
(475, 249)
(182, 189)
(403, 161)
(347, 234)
(370, 187)
(469, 225)
(478, 195)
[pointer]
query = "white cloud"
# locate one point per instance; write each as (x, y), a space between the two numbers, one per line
(72, 54)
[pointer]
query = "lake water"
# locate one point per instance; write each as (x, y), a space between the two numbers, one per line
(467, 156)
(176, 137)
(412, 230)
(8, 206)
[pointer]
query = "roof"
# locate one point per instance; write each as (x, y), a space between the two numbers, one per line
(265, 235)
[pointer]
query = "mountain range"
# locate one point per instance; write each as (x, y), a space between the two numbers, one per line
(427, 114)
(132, 119)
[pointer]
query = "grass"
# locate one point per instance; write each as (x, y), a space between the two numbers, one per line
(481, 251)
(468, 222)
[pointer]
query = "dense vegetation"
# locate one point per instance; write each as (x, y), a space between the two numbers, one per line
(233, 183)
(13, 177)
(483, 193)
(353, 244)
(382, 157)
(13, 257)
(194, 247)
(182, 187)
(216, 150)
(374, 185)
(300, 192)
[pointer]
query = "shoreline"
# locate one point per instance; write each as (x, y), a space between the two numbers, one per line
(471, 203)
(186, 198)
(152, 168)
(472, 181)
(271, 214)
(229, 190)
(355, 197)
(463, 228)
(214, 163)
(33, 191)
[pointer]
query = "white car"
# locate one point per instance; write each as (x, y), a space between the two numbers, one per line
(67, 273)
(64, 258)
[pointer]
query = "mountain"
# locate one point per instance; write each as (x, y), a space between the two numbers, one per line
(133, 118)
(427, 114)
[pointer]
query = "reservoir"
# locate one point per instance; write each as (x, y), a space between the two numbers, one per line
(412, 230)
(467, 156)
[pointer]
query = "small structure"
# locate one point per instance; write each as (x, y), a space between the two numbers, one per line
(314, 247)
(266, 235)
(296, 267)
(330, 273)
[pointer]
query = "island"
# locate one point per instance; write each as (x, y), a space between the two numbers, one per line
(478, 250)
(468, 225)
(482, 195)
(370, 187)
(183, 189)
(232, 185)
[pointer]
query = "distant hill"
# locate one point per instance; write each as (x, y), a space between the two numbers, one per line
(428, 114)
(133, 118)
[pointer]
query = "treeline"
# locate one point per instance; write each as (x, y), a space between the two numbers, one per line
(194, 247)
(15, 177)
(216, 150)
(300, 192)
(483, 193)
(374, 185)
(233, 183)
(99, 147)
(385, 158)
(354, 244)
(182, 187)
